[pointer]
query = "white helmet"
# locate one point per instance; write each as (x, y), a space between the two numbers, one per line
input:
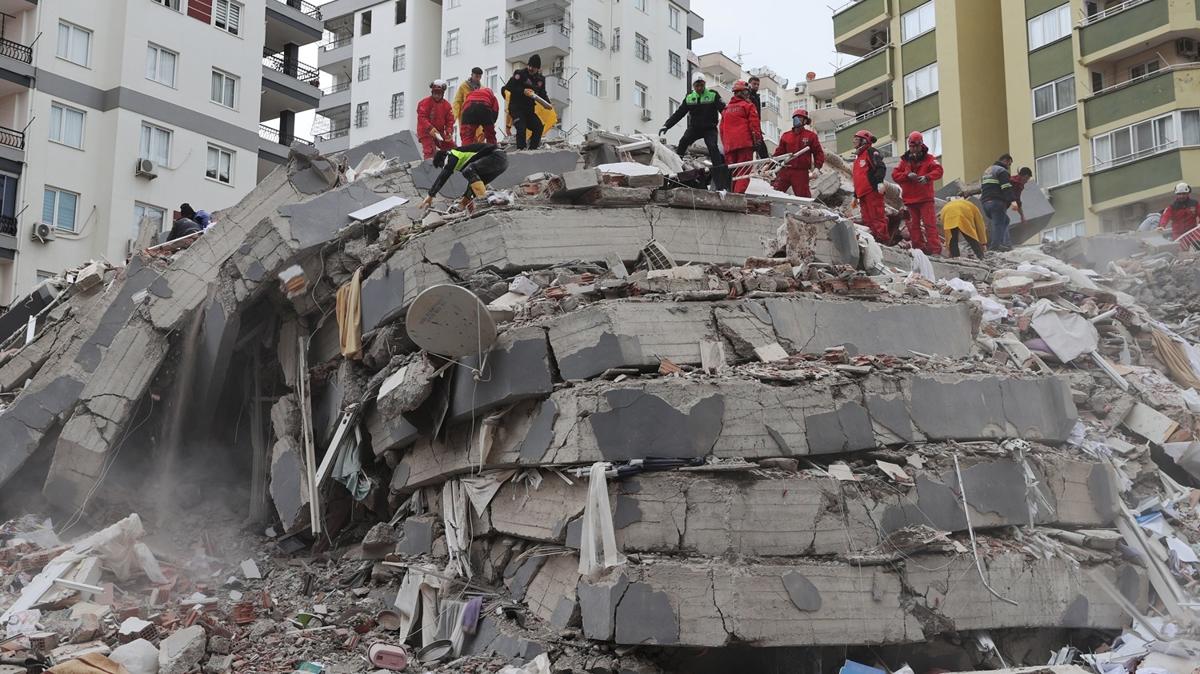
(439, 84)
(1183, 188)
(698, 77)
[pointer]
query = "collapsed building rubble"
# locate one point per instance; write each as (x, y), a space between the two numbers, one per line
(674, 430)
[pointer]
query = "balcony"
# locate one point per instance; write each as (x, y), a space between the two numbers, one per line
(292, 22)
(287, 84)
(879, 122)
(550, 40)
(1159, 91)
(1149, 176)
(855, 23)
(335, 96)
(1122, 23)
(335, 53)
(559, 89)
(535, 11)
(862, 79)
(12, 144)
(17, 60)
(8, 225)
(272, 149)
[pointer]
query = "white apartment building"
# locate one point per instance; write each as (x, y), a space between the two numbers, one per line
(116, 112)
(620, 66)
(815, 94)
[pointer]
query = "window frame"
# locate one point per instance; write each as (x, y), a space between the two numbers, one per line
(399, 58)
(396, 111)
(158, 51)
(642, 6)
(364, 68)
(674, 64)
(58, 192)
(1145, 66)
(172, 5)
(491, 30)
(143, 153)
(1058, 167)
(674, 16)
(933, 132)
(1175, 127)
(594, 83)
(1053, 84)
(918, 12)
(221, 151)
(401, 12)
(137, 222)
(641, 91)
(362, 114)
(226, 77)
(234, 28)
(1065, 21)
(595, 34)
(72, 28)
(641, 47)
(365, 23)
(62, 125)
(453, 44)
(935, 81)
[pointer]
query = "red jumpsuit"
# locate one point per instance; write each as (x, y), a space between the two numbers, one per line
(918, 197)
(480, 111)
(740, 133)
(795, 174)
(435, 115)
(1181, 216)
(868, 172)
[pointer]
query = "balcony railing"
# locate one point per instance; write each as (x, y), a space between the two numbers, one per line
(1129, 158)
(304, 6)
(538, 30)
(8, 225)
(16, 50)
(337, 44)
(290, 67)
(1116, 9)
(863, 59)
(331, 134)
(267, 133)
(12, 138)
(336, 88)
(864, 116)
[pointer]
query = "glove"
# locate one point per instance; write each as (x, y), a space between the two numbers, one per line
(662, 132)
(529, 93)
(426, 202)
(882, 188)
(913, 176)
(436, 134)
(922, 179)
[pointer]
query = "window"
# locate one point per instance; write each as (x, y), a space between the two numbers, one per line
(224, 89)
(916, 22)
(43, 275)
(1190, 127)
(921, 83)
(1054, 97)
(595, 35)
(1139, 140)
(452, 42)
(617, 87)
(220, 165)
(74, 43)
(452, 84)
(362, 114)
(640, 5)
(1097, 81)
(640, 97)
(641, 47)
(227, 15)
(674, 64)
(933, 140)
(1059, 168)
(364, 23)
(397, 109)
(593, 82)
(1049, 27)
(398, 58)
(454, 4)
(66, 125)
(169, 4)
(364, 68)
(401, 11)
(616, 39)
(491, 78)
(593, 125)
(1064, 232)
(58, 208)
(672, 106)
(160, 65)
(155, 144)
(673, 15)
(1143, 69)
(152, 216)
(491, 30)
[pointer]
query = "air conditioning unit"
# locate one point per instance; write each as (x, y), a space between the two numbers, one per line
(144, 168)
(42, 232)
(514, 16)
(1187, 47)
(646, 116)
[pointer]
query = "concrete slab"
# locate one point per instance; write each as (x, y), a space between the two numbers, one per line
(520, 165)
(517, 368)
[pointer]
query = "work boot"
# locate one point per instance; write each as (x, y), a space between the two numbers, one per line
(479, 189)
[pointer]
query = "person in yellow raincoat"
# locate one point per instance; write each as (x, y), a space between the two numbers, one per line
(961, 217)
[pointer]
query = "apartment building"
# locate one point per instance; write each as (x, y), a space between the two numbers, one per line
(1100, 98)
(113, 113)
(621, 66)
(816, 95)
(721, 71)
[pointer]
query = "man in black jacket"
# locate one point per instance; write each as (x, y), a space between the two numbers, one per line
(480, 164)
(760, 150)
(703, 108)
(522, 87)
(996, 193)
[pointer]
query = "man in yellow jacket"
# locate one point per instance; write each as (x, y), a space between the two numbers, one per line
(460, 96)
(960, 216)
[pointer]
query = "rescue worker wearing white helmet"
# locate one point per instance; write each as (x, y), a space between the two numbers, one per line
(1182, 216)
(703, 108)
(435, 120)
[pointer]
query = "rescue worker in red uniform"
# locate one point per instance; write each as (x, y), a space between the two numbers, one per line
(795, 174)
(480, 110)
(869, 172)
(915, 174)
(1182, 215)
(740, 132)
(435, 121)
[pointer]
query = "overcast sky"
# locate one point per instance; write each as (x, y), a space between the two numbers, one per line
(800, 34)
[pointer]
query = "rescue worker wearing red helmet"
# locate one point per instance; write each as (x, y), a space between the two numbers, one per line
(435, 120)
(741, 131)
(915, 174)
(869, 172)
(796, 172)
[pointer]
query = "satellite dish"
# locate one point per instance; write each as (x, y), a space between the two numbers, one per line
(450, 321)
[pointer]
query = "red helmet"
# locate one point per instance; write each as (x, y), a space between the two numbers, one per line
(801, 112)
(740, 85)
(865, 135)
(915, 137)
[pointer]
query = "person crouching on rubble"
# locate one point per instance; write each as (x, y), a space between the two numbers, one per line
(960, 217)
(869, 171)
(480, 164)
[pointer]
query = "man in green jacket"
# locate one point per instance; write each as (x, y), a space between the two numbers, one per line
(703, 107)
(480, 164)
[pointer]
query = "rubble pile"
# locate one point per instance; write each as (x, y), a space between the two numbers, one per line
(603, 421)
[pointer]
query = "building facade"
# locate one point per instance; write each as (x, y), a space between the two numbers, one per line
(621, 66)
(1098, 97)
(115, 113)
(816, 95)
